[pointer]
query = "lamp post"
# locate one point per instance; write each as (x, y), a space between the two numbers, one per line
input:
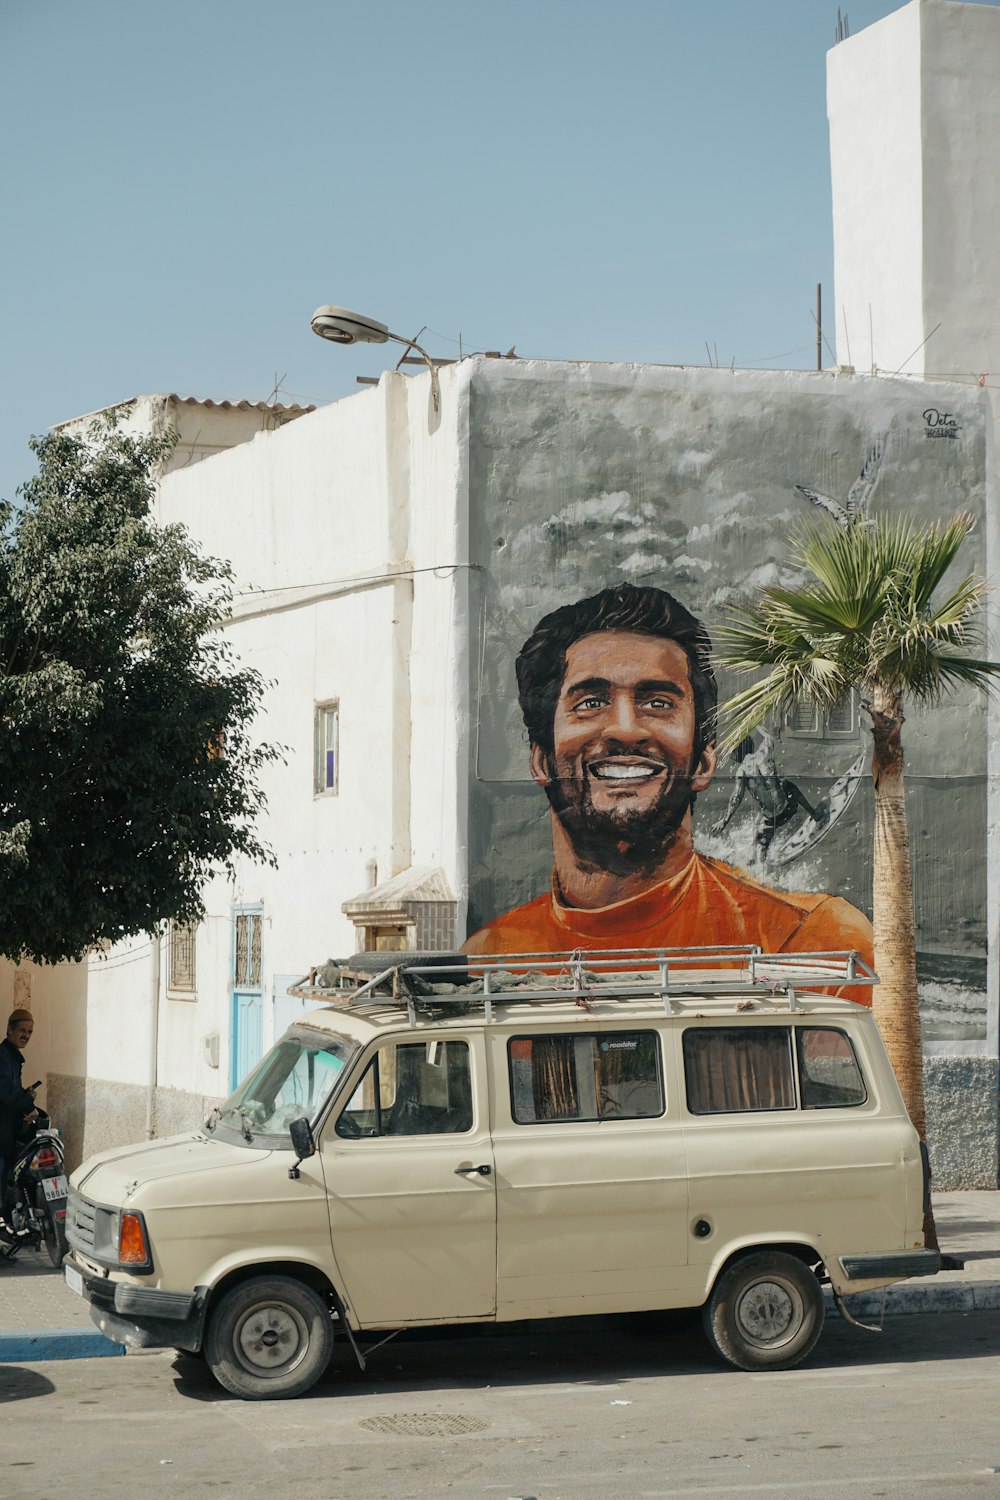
(341, 326)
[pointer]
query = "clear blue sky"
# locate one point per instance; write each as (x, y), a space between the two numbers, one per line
(184, 183)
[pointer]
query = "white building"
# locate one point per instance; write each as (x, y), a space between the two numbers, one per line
(391, 561)
(914, 109)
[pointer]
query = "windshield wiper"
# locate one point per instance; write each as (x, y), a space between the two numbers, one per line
(245, 1125)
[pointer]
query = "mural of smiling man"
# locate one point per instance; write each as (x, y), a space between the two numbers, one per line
(619, 700)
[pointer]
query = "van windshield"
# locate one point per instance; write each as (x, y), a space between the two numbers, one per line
(294, 1079)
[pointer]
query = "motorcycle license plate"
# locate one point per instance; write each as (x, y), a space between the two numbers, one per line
(55, 1187)
(73, 1280)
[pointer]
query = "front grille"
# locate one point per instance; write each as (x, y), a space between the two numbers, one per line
(81, 1216)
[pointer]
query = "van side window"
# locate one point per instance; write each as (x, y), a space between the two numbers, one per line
(829, 1075)
(412, 1088)
(728, 1070)
(607, 1075)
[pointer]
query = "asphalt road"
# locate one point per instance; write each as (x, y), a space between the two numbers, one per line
(624, 1407)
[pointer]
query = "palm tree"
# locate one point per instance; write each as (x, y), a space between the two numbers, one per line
(867, 618)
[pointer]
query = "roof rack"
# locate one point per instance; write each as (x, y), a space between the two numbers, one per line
(442, 981)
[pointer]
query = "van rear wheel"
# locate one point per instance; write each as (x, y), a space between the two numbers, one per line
(765, 1312)
(269, 1338)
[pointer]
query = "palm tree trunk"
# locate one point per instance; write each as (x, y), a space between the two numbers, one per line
(895, 1001)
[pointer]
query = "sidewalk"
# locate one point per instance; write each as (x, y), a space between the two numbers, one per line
(40, 1318)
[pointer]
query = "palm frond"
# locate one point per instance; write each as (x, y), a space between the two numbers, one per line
(935, 554)
(865, 616)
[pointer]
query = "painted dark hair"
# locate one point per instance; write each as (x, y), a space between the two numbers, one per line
(541, 664)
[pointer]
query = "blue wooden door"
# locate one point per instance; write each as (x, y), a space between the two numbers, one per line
(248, 1034)
(246, 1040)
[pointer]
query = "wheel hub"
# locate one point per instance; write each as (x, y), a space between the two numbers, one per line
(766, 1313)
(270, 1339)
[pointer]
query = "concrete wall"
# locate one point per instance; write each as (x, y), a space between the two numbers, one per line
(203, 428)
(395, 561)
(344, 534)
(582, 476)
(874, 106)
(914, 114)
(585, 476)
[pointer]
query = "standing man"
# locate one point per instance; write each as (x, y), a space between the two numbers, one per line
(17, 1104)
(619, 700)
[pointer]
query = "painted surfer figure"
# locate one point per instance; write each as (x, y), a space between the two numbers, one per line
(777, 799)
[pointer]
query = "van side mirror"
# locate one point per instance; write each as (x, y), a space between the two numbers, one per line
(303, 1142)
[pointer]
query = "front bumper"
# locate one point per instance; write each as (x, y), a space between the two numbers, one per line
(142, 1317)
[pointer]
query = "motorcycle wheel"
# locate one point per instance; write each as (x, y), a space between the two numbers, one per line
(55, 1240)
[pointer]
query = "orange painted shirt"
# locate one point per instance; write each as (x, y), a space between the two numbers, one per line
(708, 904)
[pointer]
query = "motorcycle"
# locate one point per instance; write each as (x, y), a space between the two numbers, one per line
(37, 1192)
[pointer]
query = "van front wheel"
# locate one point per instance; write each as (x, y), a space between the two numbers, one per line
(269, 1338)
(765, 1312)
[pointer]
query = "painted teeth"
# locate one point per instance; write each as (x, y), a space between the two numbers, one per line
(623, 773)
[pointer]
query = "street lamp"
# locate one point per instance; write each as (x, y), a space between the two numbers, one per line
(341, 326)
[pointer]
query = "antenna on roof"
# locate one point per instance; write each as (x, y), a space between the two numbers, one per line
(276, 391)
(843, 26)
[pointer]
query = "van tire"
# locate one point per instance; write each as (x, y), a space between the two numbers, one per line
(269, 1338)
(765, 1312)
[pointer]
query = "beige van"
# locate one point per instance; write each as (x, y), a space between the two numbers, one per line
(456, 1140)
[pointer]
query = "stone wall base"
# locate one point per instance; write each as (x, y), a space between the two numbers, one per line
(961, 1098)
(95, 1115)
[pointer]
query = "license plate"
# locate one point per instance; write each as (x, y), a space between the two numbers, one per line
(74, 1280)
(55, 1187)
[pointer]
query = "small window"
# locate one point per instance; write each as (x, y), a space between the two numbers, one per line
(828, 1070)
(808, 721)
(413, 1088)
(728, 1071)
(842, 718)
(327, 755)
(803, 718)
(610, 1075)
(181, 972)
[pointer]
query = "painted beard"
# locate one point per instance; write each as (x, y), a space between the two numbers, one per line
(625, 840)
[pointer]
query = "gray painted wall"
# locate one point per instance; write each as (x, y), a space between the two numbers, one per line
(581, 476)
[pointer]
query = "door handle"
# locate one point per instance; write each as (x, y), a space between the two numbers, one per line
(483, 1171)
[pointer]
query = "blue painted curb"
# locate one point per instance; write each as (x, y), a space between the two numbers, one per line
(55, 1343)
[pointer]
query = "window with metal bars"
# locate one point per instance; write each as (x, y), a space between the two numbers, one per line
(181, 947)
(247, 951)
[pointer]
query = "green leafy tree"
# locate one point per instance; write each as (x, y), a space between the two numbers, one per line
(872, 615)
(127, 771)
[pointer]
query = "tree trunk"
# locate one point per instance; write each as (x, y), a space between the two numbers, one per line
(895, 1001)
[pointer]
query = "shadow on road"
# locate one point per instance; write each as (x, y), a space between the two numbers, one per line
(604, 1351)
(19, 1384)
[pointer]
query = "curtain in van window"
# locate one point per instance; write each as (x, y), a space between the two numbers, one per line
(553, 1078)
(586, 1076)
(733, 1070)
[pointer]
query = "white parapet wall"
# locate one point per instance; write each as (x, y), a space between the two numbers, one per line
(914, 113)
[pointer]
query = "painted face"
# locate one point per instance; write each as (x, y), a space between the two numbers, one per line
(620, 777)
(20, 1033)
